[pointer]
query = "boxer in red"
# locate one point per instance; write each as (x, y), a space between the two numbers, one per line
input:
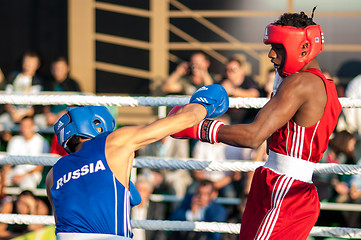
(298, 120)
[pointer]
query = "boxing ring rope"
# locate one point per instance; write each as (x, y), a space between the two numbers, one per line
(350, 207)
(233, 228)
(188, 163)
(148, 162)
(49, 99)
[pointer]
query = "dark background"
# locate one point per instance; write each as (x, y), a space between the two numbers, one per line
(38, 25)
(41, 25)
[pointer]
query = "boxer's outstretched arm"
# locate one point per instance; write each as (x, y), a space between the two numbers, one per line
(301, 97)
(136, 137)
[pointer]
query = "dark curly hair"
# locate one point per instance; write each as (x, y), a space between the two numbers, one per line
(73, 143)
(298, 20)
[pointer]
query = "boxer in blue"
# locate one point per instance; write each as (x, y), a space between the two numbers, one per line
(89, 189)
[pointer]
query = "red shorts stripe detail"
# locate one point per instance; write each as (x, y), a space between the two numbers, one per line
(279, 208)
(278, 194)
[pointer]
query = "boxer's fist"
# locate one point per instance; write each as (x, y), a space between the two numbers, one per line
(214, 98)
(205, 131)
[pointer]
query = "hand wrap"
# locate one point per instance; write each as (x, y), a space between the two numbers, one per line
(208, 130)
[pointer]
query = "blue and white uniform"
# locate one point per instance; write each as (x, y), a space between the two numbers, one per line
(86, 195)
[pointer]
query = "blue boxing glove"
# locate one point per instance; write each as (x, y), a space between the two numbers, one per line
(214, 98)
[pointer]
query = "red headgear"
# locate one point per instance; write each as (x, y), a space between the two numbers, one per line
(293, 39)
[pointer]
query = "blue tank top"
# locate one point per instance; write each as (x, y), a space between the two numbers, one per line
(86, 195)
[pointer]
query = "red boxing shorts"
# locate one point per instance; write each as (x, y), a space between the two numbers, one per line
(279, 207)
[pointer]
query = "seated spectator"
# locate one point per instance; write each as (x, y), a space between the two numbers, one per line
(25, 203)
(242, 180)
(340, 87)
(235, 216)
(224, 181)
(27, 143)
(341, 150)
(4, 198)
(200, 207)
(147, 210)
(267, 89)
(61, 82)
(176, 181)
(353, 219)
(221, 179)
(2, 78)
(26, 81)
(238, 84)
(189, 76)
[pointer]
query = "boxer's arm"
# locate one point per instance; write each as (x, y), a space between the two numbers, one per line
(135, 137)
(296, 96)
(208, 101)
(122, 143)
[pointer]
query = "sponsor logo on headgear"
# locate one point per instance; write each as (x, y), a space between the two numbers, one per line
(202, 88)
(266, 33)
(60, 123)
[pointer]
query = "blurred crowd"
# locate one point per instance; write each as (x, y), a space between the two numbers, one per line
(23, 133)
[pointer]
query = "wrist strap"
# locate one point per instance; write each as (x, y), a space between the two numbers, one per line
(208, 130)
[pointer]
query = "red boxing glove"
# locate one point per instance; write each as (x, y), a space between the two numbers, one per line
(206, 131)
(174, 110)
(186, 133)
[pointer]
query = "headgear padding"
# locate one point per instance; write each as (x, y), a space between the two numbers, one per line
(86, 121)
(293, 39)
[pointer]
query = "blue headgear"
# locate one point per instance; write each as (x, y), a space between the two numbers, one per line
(84, 122)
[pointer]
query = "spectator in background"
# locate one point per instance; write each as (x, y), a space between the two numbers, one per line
(242, 181)
(2, 78)
(340, 151)
(222, 180)
(176, 181)
(3, 196)
(340, 87)
(147, 210)
(353, 219)
(25, 203)
(27, 143)
(189, 76)
(350, 118)
(238, 84)
(61, 82)
(26, 81)
(200, 207)
(267, 89)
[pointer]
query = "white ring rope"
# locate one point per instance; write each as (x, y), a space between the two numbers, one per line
(350, 207)
(183, 226)
(190, 164)
(48, 99)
